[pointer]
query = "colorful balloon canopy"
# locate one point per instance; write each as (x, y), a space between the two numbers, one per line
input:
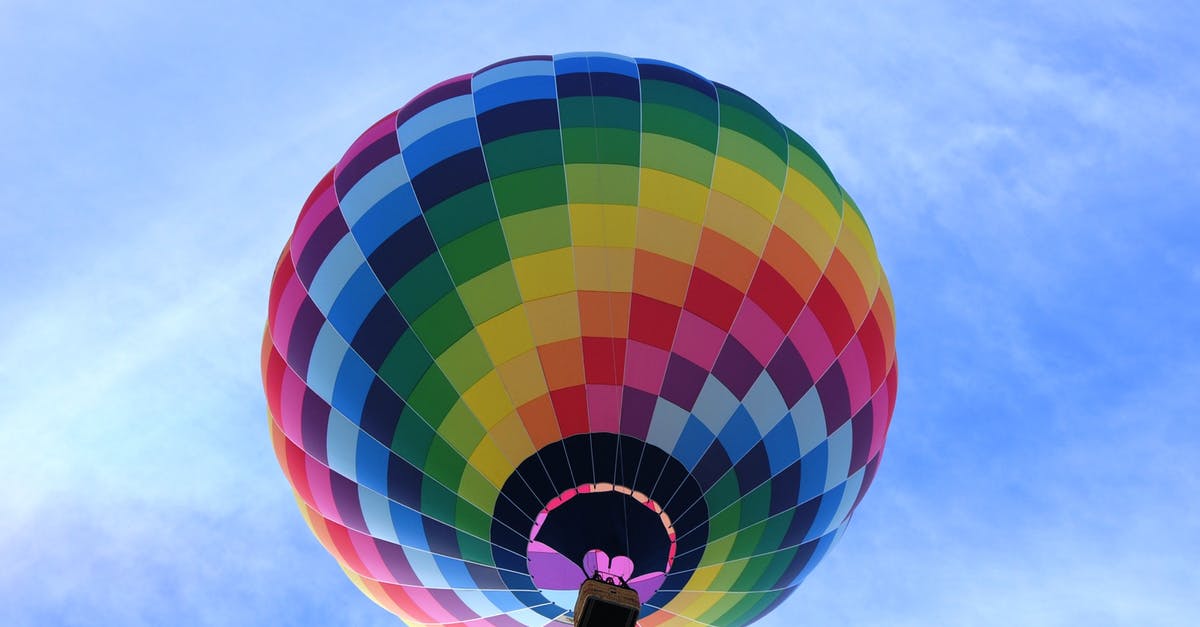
(574, 316)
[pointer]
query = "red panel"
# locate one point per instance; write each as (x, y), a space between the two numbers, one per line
(570, 406)
(827, 304)
(712, 299)
(652, 322)
(776, 296)
(604, 360)
(873, 350)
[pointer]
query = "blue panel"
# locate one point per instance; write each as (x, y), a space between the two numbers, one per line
(514, 90)
(358, 296)
(341, 440)
(739, 434)
(353, 382)
(435, 117)
(374, 185)
(829, 506)
(692, 443)
(508, 71)
(408, 527)
(455, 572)
(372, 467)
(782, 447)
(440, 145)
(813, 468)
(386, 217)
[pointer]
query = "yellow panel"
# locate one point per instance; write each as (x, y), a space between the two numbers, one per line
(702, 603)
(506, 335)
(604, 269)
(491, 463)
(746, 185)
(523, 377)
(668, 235)
(488, 400)
(805, 230)
(603, 225)
(545, 274)
(511, 438)
(673, 194)
(702, 578)
(738, 222)
(801, 190)
(554, 318)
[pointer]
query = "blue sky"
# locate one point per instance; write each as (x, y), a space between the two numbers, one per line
(1029, 174)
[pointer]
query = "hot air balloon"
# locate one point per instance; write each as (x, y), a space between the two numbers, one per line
(571, 319)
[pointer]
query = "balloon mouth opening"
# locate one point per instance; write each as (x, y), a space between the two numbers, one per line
(595, 531)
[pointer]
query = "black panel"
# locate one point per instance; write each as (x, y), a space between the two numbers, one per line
(753, 469)
(379, 332)
(402, 251)
(579, 451)
(604, 454)
(381, 412)
(404, 483)
(655, 71)
(443, 539)
(785, 488)
(450, 176)
(518, 117)
(802, 520)
(618, 85)
(712, 466)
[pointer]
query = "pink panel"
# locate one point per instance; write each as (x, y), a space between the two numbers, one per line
(604, 407)
(697, 340)
(858, 375)
(364, 545)
(645, 366)
(285, 316)
(322, 491)
(755, 330)
(813, 344)
(291, 401)
(321, 207)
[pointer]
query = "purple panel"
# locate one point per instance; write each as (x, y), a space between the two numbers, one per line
(736, 368)
(790, 374)
(457, 86)
(345, 497)
(862, 424)
(316, 249)
(835, 398)
(396, 562)
(636, 409)
(304, 334)
(374, 154)
(682, 382)
(314, 426)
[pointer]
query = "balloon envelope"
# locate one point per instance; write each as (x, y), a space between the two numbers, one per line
(573, 316)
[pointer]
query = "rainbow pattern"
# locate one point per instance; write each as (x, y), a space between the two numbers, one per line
(578, 272)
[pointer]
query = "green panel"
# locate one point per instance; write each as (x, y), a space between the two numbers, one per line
(749, 118)
(465, 362)
(530, 189)
(421, 287)
(725, 523)
(476, 252)
(442, 324)
(603, 183)
(476, 489)
(405, 364)
(444, 465)
(803, 159)
(523, 151)
(679, 123)
(723, 493)
(752, 573)
(726, 577)
(600, 145)
(413, 438)
(676, 96)
(747, 541)
(461, 429)
(475, 550)
(777, 564)
(677, 157)
(537, 231)
(753, 155)
(756, 505)
(490, 293)
(752, 604)
(469, 519)
(716, 550)
(438, 502)
(775, 531)
(617, 113)
(576, 112)
(461, 213)
(433, 397)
